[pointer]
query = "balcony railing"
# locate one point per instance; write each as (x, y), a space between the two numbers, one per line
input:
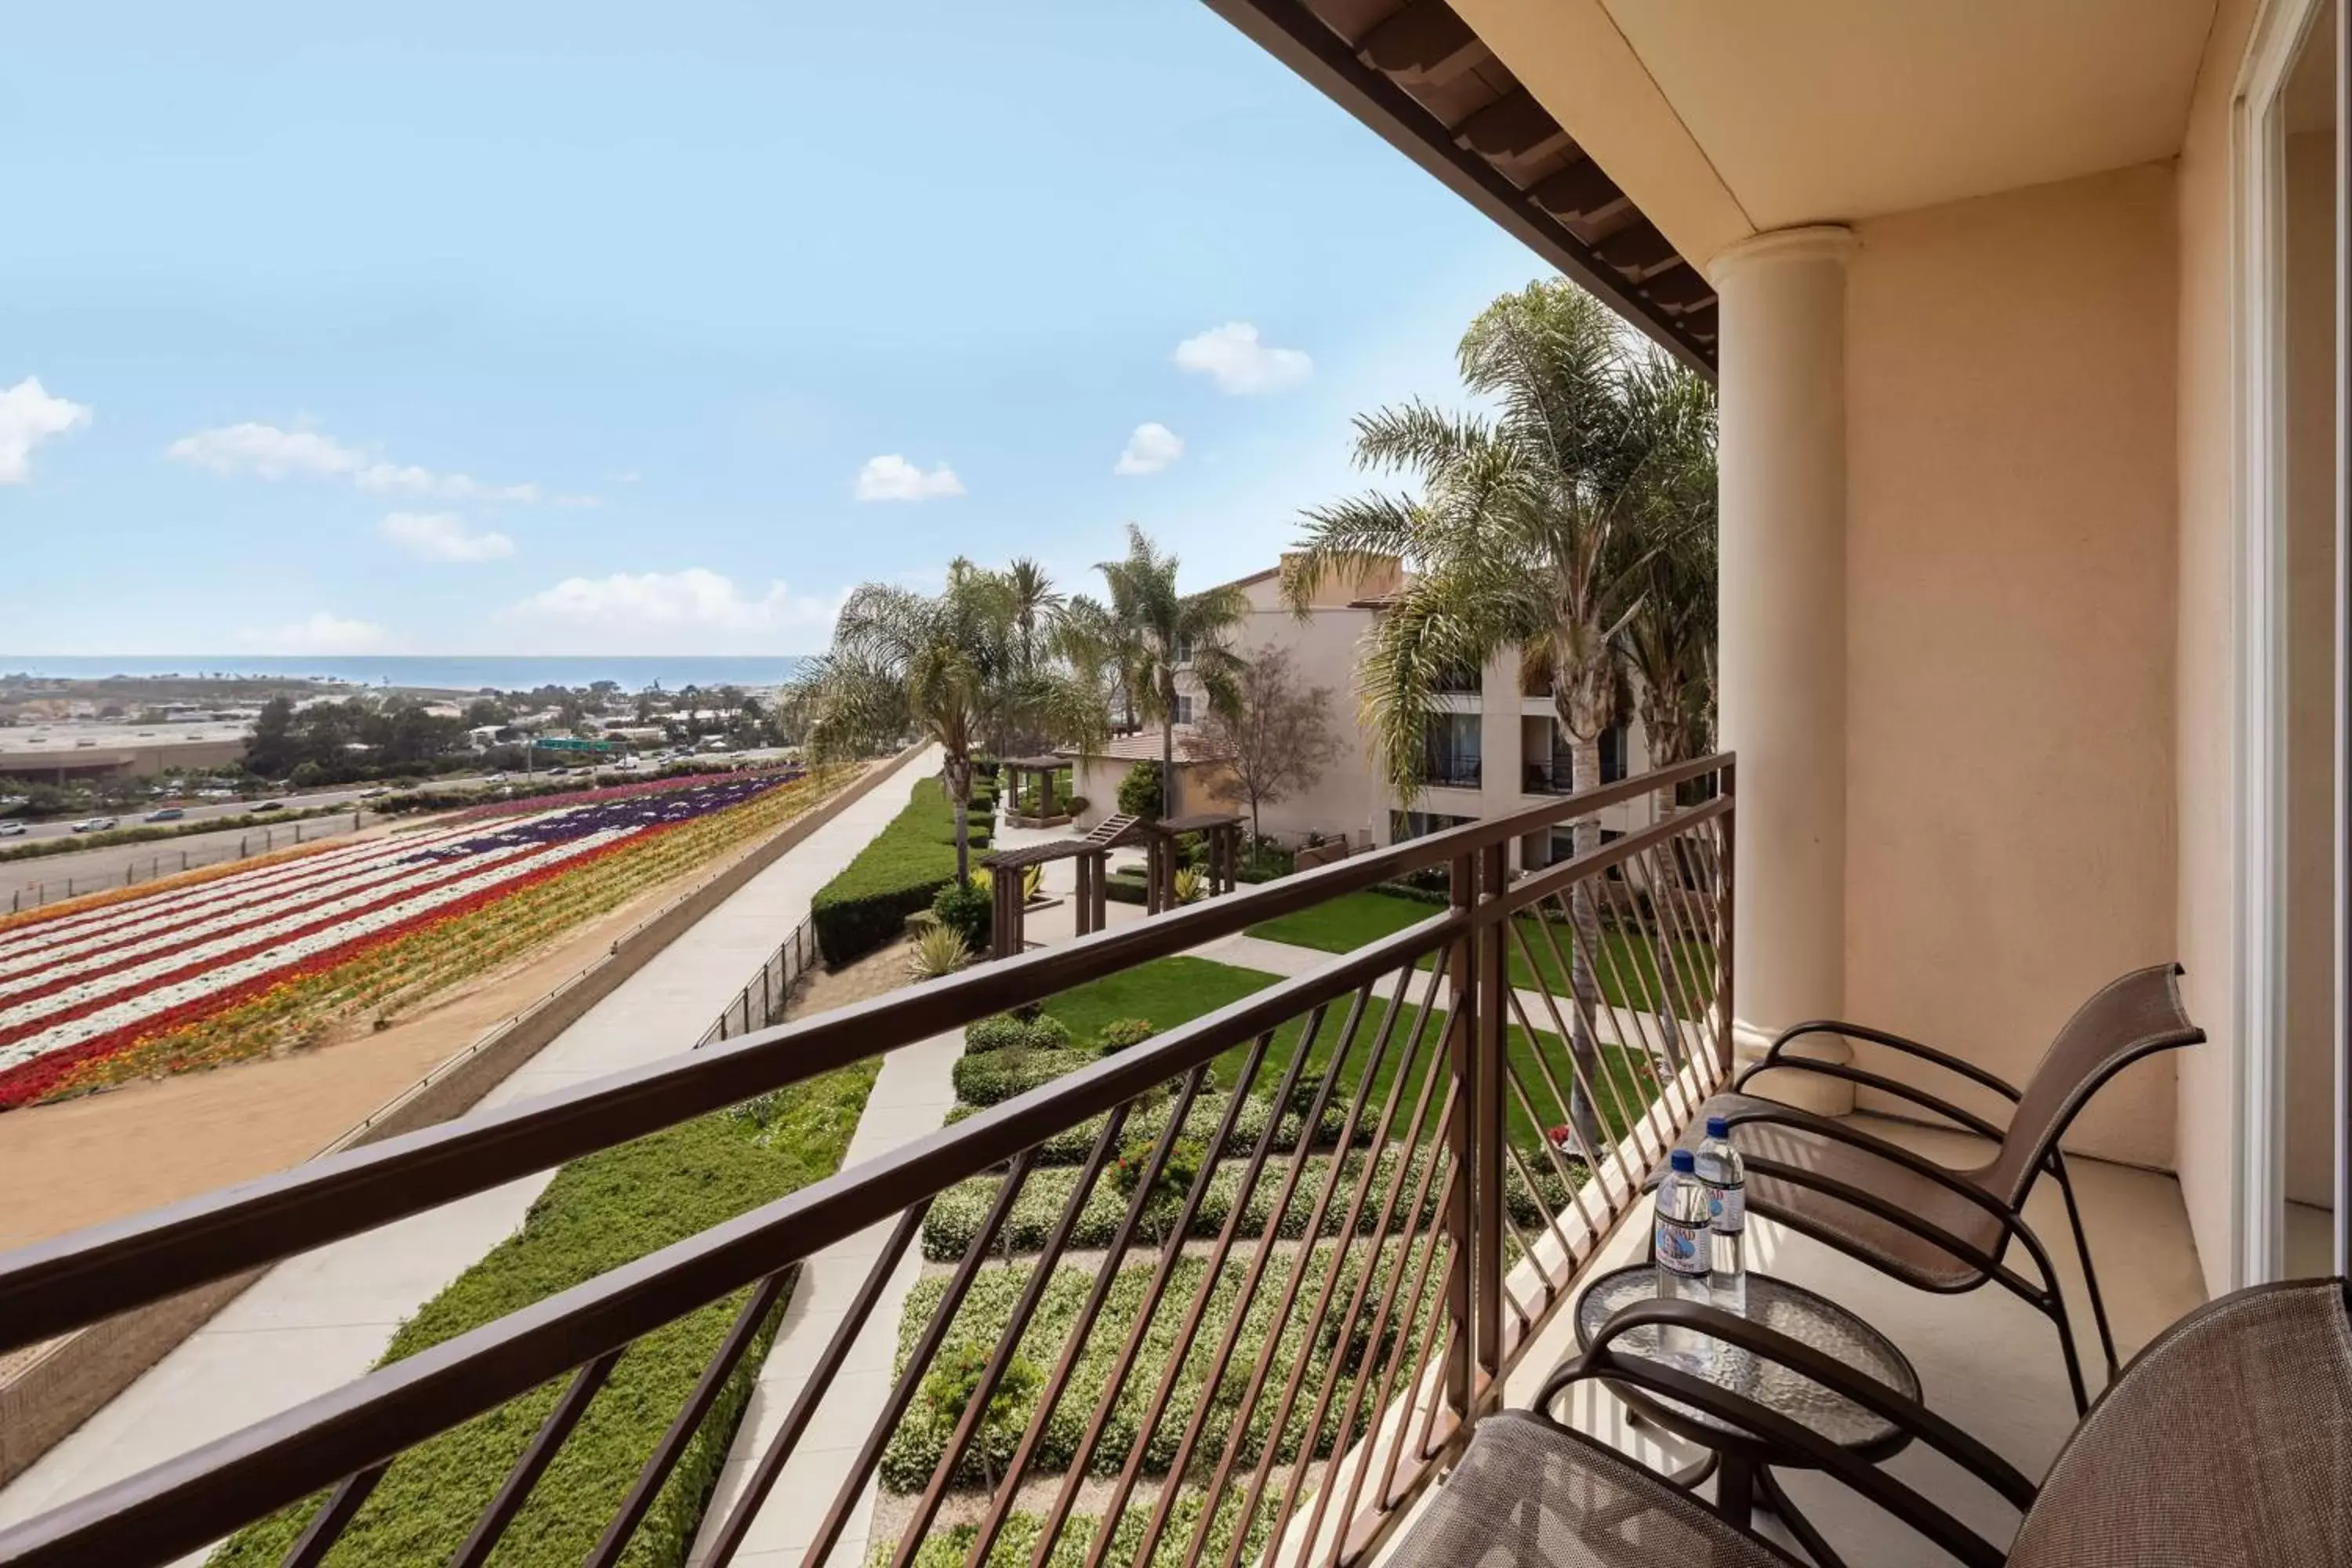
(1235, 1291)
(1442, 772)
(1555, 777)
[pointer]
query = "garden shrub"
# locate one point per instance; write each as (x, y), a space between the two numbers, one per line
(1125, 885)
(1010, 1032)
(1071, 1145)
(1140, 794)
(997, 1075)
(920, 1441)
(601, 1211)
(963, 907)
(1120, 1033)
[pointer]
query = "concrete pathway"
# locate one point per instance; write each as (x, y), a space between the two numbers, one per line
(317, 1322)
(911, 1097)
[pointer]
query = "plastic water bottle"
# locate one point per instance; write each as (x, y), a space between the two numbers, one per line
(1684, 1243)
(1725, 1175)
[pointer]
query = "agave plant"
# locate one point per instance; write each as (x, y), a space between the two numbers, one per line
(939, 950)
(1188, 884)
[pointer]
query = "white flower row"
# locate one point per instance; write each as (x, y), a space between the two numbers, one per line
(162, 998)
(120, 964)
(240, 887)
(180, 922)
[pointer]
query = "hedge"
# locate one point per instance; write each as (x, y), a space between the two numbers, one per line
(1125, 885)
(994, 1077)
(601, 1211)
(957, 1216)
(920, 1439)
(900, 873)
(1072, 1144)
(1003, 1032)
(947, 1546)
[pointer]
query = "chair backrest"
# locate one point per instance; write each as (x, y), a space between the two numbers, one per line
(2228, 1441)
(2126, 1019)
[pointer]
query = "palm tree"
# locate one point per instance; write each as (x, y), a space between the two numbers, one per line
(1100, 650)
(945, 663)
(1164, 632)
(1534, 529)
(1033, 600)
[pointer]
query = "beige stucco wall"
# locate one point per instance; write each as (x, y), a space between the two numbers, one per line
(2204, 706)
(2011, 614)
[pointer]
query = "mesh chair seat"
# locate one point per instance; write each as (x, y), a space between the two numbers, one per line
(1527, 1494)
(1886, 1245)
(2227, 1444)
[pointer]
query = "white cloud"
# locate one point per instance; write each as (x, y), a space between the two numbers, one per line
(1242, 364)
(322, 633)
(266, 450)
(29, 416)
(443, 536)
(575, 500)
(1151, 448)
(388, 478)
(892, 478)
(667, 605)
(271, 452)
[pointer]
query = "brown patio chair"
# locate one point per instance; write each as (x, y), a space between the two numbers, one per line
(1924, 1223)
(2226, 1443)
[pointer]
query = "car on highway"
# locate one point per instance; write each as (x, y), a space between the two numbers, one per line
(376, 793)
(494, 778)
(269, 805)
(93, 825)
(11, 830)
(166, 814)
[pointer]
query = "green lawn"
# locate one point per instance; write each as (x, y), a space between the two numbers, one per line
(1624, 969)
(1171, 991)
(599, 1212)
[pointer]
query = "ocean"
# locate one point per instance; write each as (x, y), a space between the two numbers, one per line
(430, 672)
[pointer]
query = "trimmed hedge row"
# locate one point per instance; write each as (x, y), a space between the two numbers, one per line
(900, 873)
(920, 1439)
(601, 1211)
(947, 1546)
(1071, 1145)
(994, 1077)
(1003, 1032)
(1125, 885)
(957, 1214)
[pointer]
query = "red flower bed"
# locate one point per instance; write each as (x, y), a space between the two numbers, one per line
(786, 773)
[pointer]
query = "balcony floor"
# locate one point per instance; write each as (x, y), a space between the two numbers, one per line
(1985, 1359)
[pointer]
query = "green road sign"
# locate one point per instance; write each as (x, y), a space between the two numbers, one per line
(601, 748)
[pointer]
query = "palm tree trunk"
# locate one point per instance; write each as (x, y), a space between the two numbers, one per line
(957, 778)
(1584, 916)
(1167, 756)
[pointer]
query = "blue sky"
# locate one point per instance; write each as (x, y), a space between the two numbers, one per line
(528, 327)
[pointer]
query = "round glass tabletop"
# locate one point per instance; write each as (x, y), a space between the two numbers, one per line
(1786, 1309)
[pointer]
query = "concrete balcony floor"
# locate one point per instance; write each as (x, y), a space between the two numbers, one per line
(1985, 1360)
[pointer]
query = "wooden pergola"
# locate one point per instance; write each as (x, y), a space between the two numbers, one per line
(1043, 768)
(1223, 829)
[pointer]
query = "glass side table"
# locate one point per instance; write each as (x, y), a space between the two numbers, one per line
(1741, 1461)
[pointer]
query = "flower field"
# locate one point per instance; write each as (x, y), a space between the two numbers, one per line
(232, 967)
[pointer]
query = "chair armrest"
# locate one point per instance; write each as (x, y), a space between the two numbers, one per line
(1910, 1047)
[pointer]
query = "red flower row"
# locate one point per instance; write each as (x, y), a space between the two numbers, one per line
(609, 791)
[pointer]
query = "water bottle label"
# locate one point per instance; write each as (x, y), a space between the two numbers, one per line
(1727, 1209)
(1681, 1249)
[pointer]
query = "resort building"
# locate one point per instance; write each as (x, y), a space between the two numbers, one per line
(1495, 747)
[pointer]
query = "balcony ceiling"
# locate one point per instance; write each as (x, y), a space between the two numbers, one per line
(1725, 119)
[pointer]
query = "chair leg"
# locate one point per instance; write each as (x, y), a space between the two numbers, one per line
(2090, 1273)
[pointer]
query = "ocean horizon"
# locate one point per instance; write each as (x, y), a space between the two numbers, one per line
(435, 672)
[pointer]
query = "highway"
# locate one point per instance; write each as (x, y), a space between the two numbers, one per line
(197, 811)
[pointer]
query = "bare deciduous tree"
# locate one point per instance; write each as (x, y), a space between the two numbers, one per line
(1274, 742)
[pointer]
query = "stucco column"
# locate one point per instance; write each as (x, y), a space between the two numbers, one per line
(1782, 489)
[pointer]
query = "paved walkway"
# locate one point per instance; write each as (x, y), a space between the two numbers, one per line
(317, 1322)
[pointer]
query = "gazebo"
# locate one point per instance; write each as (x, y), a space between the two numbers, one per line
(1008, 868)
(1043, 768)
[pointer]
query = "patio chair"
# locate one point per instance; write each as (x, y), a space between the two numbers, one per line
(2226, 1443)
(1931, 1226)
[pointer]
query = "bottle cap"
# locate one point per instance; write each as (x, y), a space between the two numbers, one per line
(1683, 1160)
(1717, 1127)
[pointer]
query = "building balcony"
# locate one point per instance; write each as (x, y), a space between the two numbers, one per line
(1283, 1255)
(1452, 773)
(1555, 777)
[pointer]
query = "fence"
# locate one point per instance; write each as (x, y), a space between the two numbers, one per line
(1237, 1291)
(761, 1001)
(171, 862)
